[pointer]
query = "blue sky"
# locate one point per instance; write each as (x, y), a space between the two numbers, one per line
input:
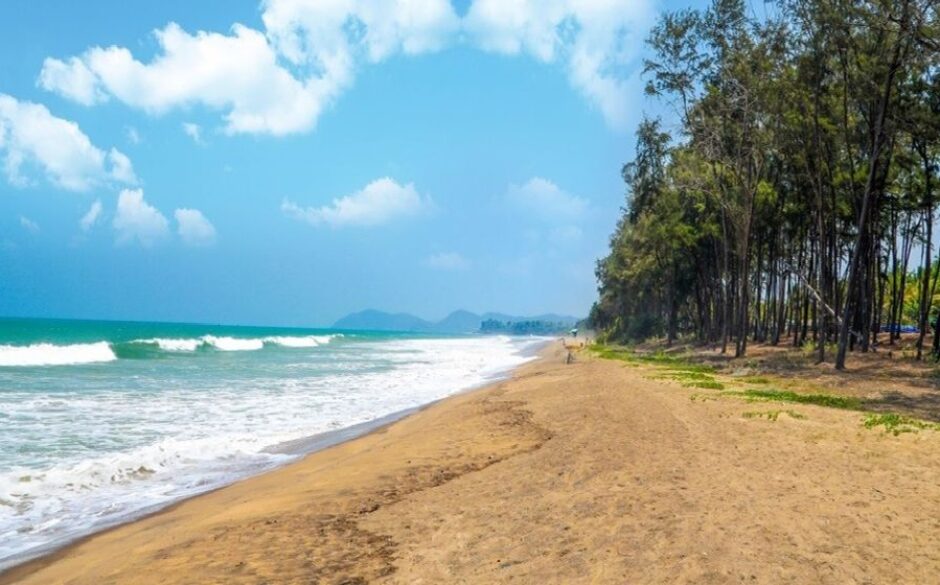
(321, 158)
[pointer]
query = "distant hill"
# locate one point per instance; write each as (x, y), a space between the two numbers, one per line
(372, 320)
(457, 322)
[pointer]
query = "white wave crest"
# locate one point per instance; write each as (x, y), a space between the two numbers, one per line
(47, 354)
(173, 344)
(305, 341)
(233, 343)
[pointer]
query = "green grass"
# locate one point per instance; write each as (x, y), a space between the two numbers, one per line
(661, 359)
(772, 395)
(692, 379)
(754, 380)
(705, 384)
(772, 415)
(897, 423)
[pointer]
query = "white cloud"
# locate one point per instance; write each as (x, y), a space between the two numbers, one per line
(324, 33)
(545, 200)
(597, 40)
(194, 131)
(91, 217)
(447, 261)
(237, 73)
(138, 220)
(279, 80)
(29, 225)
(379, 202)
(72, 79)
(31, 137)
(132, 135)
(276, 81)
(121, 168)
(193, 227)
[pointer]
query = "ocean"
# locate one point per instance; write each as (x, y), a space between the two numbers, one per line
(102, 421)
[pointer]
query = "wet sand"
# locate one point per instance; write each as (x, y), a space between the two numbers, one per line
(590, 472)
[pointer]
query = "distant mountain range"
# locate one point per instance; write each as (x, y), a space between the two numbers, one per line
(457, 322)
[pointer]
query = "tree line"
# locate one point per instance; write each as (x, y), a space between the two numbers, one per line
(793, 198)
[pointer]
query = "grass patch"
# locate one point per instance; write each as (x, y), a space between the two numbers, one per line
(897, 423)
(692, 379)
(683, 376)
(711, 384)
(771, 395)
(754, 380)
(772, 415)
(659, 358)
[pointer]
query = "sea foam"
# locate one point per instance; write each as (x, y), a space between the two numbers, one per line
(103, 448)
(47, 354)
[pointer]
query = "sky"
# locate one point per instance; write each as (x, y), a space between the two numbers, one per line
(286, 162)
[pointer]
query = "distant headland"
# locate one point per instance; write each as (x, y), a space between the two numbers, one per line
(457, 322)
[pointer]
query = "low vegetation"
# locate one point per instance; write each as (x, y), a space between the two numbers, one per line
(680, 368)
(774, 395)
(896, 423)
(773, 415)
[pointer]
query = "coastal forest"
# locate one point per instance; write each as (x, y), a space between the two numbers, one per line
(789, 195)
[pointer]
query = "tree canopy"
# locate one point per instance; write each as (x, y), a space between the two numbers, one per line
(793, 199)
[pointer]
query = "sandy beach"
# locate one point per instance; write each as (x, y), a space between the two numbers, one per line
(590, 472)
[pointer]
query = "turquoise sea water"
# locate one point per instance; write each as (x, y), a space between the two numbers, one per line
(101, 421)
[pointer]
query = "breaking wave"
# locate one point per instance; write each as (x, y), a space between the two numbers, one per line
(48, 354)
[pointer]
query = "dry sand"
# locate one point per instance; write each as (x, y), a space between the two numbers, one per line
(583, 473)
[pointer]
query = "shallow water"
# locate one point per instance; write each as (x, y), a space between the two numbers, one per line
(103, 421)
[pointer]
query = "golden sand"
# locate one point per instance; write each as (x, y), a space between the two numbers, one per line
(584, 473)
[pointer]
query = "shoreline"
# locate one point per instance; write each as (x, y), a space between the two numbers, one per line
(595, 471)
(301, 448)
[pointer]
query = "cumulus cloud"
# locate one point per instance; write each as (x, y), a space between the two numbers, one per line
(72, 79)
(447, 261)
(29, 225)
(91, 217)
(276, 81)
(324, 33)
(279, 80)
(598, 42)
(32, 138)
(237, 73)
(544, 199)
(193, 227)
(379, 202)
(137, 220)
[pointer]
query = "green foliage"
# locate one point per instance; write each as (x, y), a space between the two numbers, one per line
(773, 395)
(897, 423)
(738, 224)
